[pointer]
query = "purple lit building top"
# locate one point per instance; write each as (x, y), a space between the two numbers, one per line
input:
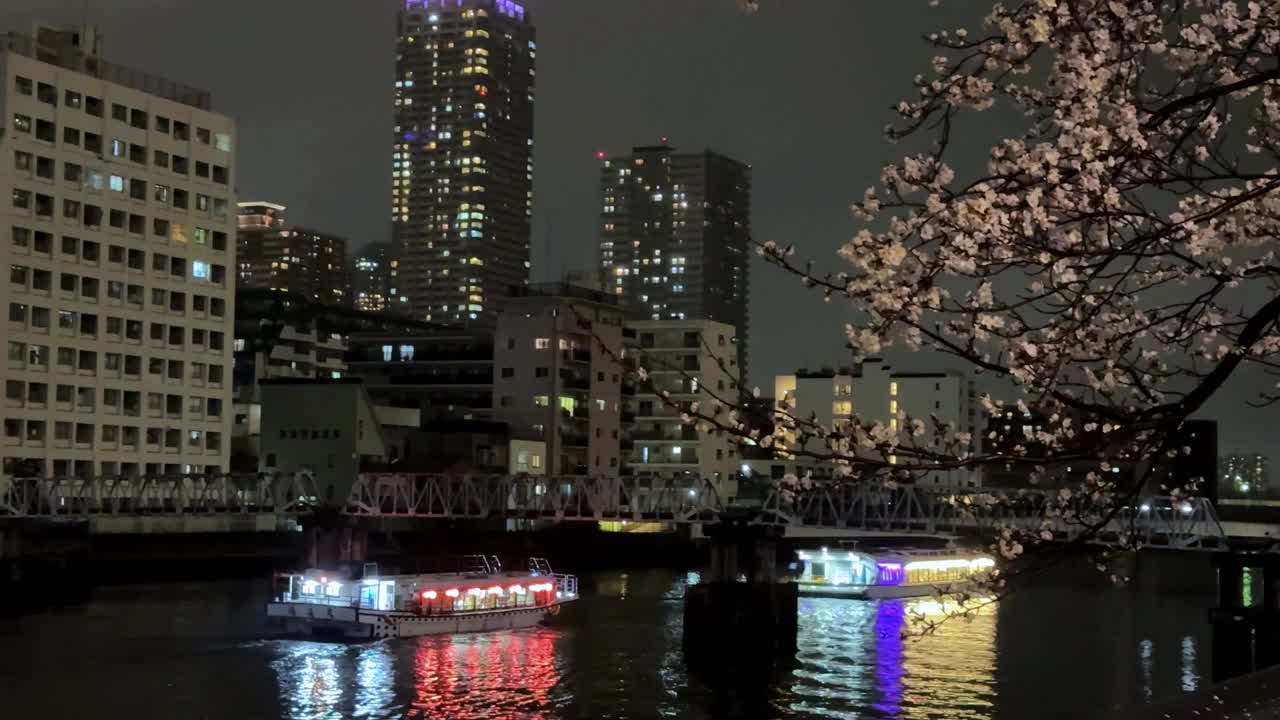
(506, 7)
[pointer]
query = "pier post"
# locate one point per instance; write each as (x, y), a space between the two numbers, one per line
(333, 540)
(1246, 623)
(740, 621)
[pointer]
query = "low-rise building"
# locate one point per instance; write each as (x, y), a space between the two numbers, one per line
(329, 428)
(444, 372)
(877, 393)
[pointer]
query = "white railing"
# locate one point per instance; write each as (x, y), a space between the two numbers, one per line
(928, 510)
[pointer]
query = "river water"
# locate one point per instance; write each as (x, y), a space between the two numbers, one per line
(1071, 646)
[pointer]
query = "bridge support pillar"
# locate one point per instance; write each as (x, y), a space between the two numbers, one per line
(333, 540)
(739, 621)
(1246, 623)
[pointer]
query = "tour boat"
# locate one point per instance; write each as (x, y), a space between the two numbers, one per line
(888, 574)
(480, 598)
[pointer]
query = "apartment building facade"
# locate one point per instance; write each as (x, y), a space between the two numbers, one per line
(686, 362)
(558, 375)
(118, 222)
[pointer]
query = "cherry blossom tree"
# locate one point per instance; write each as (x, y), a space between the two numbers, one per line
(1111, 266)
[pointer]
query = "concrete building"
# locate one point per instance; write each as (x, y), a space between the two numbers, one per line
(444, 372)
(878, 393)
(691, 361)
(119, 190)
(462, 155)
(326, 427)
(274, 255)
(554, 378)
(675, 234)
(375, 275)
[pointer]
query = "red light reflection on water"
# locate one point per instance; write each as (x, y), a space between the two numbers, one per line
(496, 675)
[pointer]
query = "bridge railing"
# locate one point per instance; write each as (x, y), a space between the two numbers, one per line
(72, 497)
(908, 509)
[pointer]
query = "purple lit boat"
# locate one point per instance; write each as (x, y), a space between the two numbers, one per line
(890, 574)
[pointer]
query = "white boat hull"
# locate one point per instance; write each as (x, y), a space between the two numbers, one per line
(354, 624)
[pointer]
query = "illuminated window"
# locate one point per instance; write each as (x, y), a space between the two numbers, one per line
(893, 388)
(541, 343)
(541, 400)
(200, 269)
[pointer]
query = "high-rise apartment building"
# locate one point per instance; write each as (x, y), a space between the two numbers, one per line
(675, 230)
(118, 213)
(274, 255)
(554, 380)
(462, 156)
(375, 272)
(1243, 475)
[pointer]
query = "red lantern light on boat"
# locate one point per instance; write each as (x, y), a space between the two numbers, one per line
(451, 592)
(429, 595)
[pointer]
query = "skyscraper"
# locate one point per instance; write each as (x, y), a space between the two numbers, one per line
(462, 158)
(674, 235)
(374, 274)
(274, 255)
(121, 193)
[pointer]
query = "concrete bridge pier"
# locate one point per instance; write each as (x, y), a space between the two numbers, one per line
(43, 564)
(1246, 623)
(334, 540)
(740, 621)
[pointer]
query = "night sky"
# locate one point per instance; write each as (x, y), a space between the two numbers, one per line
(801, 91)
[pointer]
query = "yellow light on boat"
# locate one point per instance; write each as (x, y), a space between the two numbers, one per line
(516, 589)
(495, 590)
(451, 592)
(430, 594)
(475, 591)
(957, 563)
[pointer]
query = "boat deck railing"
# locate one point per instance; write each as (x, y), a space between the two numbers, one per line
(566, 585)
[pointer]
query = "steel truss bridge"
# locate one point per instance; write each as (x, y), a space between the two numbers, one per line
(873, 509)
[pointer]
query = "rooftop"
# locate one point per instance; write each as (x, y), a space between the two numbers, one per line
(56, 48)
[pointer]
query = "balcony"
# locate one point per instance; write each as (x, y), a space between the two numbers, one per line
(686, 457)
(573, 440)
(579, 413)
(684, 433)
(577, 356)
(570, 381)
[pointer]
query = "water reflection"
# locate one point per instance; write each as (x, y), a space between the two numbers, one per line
(310, 680)
(857, 657)
(465, 676)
